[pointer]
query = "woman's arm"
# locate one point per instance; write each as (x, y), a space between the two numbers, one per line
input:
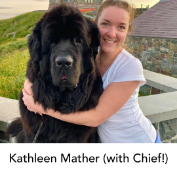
(111, 100)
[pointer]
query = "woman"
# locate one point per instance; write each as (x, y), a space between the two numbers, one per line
(117, 115)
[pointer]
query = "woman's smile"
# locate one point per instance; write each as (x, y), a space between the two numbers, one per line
(109, 41)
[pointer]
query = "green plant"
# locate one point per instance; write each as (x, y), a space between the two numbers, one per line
(11, 46)
(13, 69)
(14, 53)
(21, 25)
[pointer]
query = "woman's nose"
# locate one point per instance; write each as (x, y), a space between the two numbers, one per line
(112, 32)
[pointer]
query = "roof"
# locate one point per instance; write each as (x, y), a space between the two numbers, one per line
(158, 21)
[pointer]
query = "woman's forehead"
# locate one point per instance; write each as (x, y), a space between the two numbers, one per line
(115, 14)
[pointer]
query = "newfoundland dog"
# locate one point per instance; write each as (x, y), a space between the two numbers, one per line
(62, 48)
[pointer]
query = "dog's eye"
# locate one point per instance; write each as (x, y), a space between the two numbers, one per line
(78, 41)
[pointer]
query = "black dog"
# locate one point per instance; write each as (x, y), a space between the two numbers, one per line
(62, 47)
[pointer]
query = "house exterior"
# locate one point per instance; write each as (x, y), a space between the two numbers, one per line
(154, 38)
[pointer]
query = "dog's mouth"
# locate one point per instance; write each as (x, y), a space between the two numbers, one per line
(64, 82)
(64, 78)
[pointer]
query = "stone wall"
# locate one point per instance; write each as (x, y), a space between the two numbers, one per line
(160, 55)
(167, 129)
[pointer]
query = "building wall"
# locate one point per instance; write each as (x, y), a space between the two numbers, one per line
(157, 54)
(82, 4)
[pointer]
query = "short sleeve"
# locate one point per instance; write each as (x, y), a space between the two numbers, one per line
(129, 71)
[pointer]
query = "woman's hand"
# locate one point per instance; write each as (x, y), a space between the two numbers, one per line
(27, 87)
(28, 99)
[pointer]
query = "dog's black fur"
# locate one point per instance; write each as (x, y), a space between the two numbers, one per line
(62, 47)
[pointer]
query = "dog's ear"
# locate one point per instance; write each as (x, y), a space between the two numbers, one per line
(34, 45)
(95, 36)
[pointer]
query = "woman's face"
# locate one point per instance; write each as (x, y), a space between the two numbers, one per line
(113, 25)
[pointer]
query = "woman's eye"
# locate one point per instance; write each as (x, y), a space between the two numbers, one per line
(121, 27)
(104, 24)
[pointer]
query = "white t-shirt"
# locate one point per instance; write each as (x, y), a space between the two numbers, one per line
(128, 125)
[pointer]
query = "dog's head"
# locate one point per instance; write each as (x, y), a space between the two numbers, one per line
(64, 45)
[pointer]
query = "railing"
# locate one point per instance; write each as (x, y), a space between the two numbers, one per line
(159, 109)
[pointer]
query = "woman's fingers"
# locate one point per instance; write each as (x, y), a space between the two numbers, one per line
(24, 92)
(27, 86)
(29, 103)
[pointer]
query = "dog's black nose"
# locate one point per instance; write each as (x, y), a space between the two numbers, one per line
(64, 61)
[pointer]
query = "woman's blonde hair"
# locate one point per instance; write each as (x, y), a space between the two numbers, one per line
(116, 3)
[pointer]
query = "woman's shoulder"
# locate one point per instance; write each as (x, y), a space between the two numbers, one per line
(126, 59)
(127, 54)
(127, 68)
